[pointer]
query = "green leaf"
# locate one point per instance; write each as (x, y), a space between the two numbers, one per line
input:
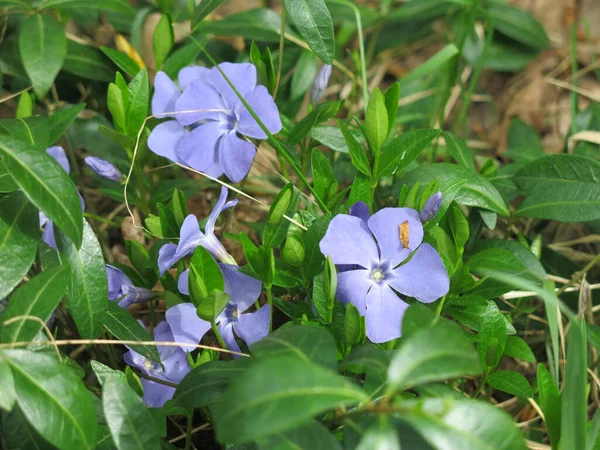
(103, 372)
(46, 185)
(311, 344)
(19, 237)
(376, 121)
(392, 95)
(163, 39)
(512, 382)
(574, 405)
(34, 130)
(87, 62)
(314, 436)
(457, 148)
(277, 394)
(36, 298)
(304, 74)
(519, 25)
(313, 21)
(207, 275)
(324, 180)
(492, 337)
(137, 108)
(357, 152)
(361, 190)
(397, 154)
(60, 121)
(118, 6)
(277, 225)
(432, 65)
(432, 354)
(88, 289)
(380, 436)
(593, 436)
(329, 136)
(518, 348)
(182, 57)
(524, 144)
(130, 422)
(123, 61)
(450, 423)
(206, 384)
(25, 106)
(321, 113)
(8, 395)
(203, 9)
(560, 187)
(53, 399)
(477, 191)
(122, 325)
(18, 434)
(43, 47)
(549, 403)
(313, 259)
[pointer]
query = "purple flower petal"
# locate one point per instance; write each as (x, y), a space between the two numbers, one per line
(185, 324)
(104, 168)
(164, 139)
(192, 73)
(165, 95)
(385, 311)
(163, 333)
(360, 209)
(221, 205)
(235, 156)
(198, 149)
(202, 98)
(167, 257)
(156, 394)
(60, 156)
(349, 241)
(252, 327)
(321, 80)
(48, 234)
(385, 225)
(116, 279)
(241, 75)
(352, 287)
(190, 236)
(264, 107)
(183, 282)
(423, 277)
(226, 330)
(177, 365)
(243, 289)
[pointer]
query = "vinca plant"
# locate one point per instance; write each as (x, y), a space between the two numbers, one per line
(298, 224)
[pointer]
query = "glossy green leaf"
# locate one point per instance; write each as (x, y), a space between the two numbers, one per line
(130, 422)
(376, 121)
(206, 384)
(357, 151)
(87, 62)
(321, 113)
(381, 435)
(53, 399)
(516, 347)
(448, 423)
(203, 9)
(432, 354)
(304, 74)
(8, 395)
(519, 25)
(277, 225)
(574, 404)
(457, 148)
(560, 187)
(60, 121)
(88, 288)
(511, 382)
(477, 191)
(397, 154)
(43, 47)
(38, 297)
(123, 61)
(277, 394)
(19, 235)
(19, 434)
(103, 372)
(492, 336)
(550, 403)
(314, 436)
(122, 325)
(392, 96)
(46, 185)
(25, 106)
(313, 259)
(207, 274)
(162, 39)
(137, 107)
(312, 20)
(118, 6)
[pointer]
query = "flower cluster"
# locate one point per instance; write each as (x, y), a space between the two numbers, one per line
(204, 136)
(381, 254)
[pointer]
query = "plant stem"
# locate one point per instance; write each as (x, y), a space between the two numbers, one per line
(215, 329)
(280, 56)
(188, 431)
(270, 301)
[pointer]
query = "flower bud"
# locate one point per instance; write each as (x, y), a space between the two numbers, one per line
(104, 168)
(318, 87)
(431, 207)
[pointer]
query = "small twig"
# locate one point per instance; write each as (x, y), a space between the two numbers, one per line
(45, 328)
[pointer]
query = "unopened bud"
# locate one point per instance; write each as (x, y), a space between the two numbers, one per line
(318, 87)
(104, 168)
(431, 207)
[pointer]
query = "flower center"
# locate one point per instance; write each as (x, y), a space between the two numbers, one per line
(377, 275)
(148, 364)
(231, 121)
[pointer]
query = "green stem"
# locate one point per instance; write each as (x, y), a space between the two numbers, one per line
(438, 312)
(280, 56)
(575, 81)
(215, 329)
(270, 301)
(139, 178)
(188, 431)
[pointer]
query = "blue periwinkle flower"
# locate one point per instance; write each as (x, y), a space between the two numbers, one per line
(58, 153)
(321, 80)
(208, 139)
(121, 288)
(174, 360)
(431, 207)
(191, 237)
(243, 292)
(376, 248)
(104, 168)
